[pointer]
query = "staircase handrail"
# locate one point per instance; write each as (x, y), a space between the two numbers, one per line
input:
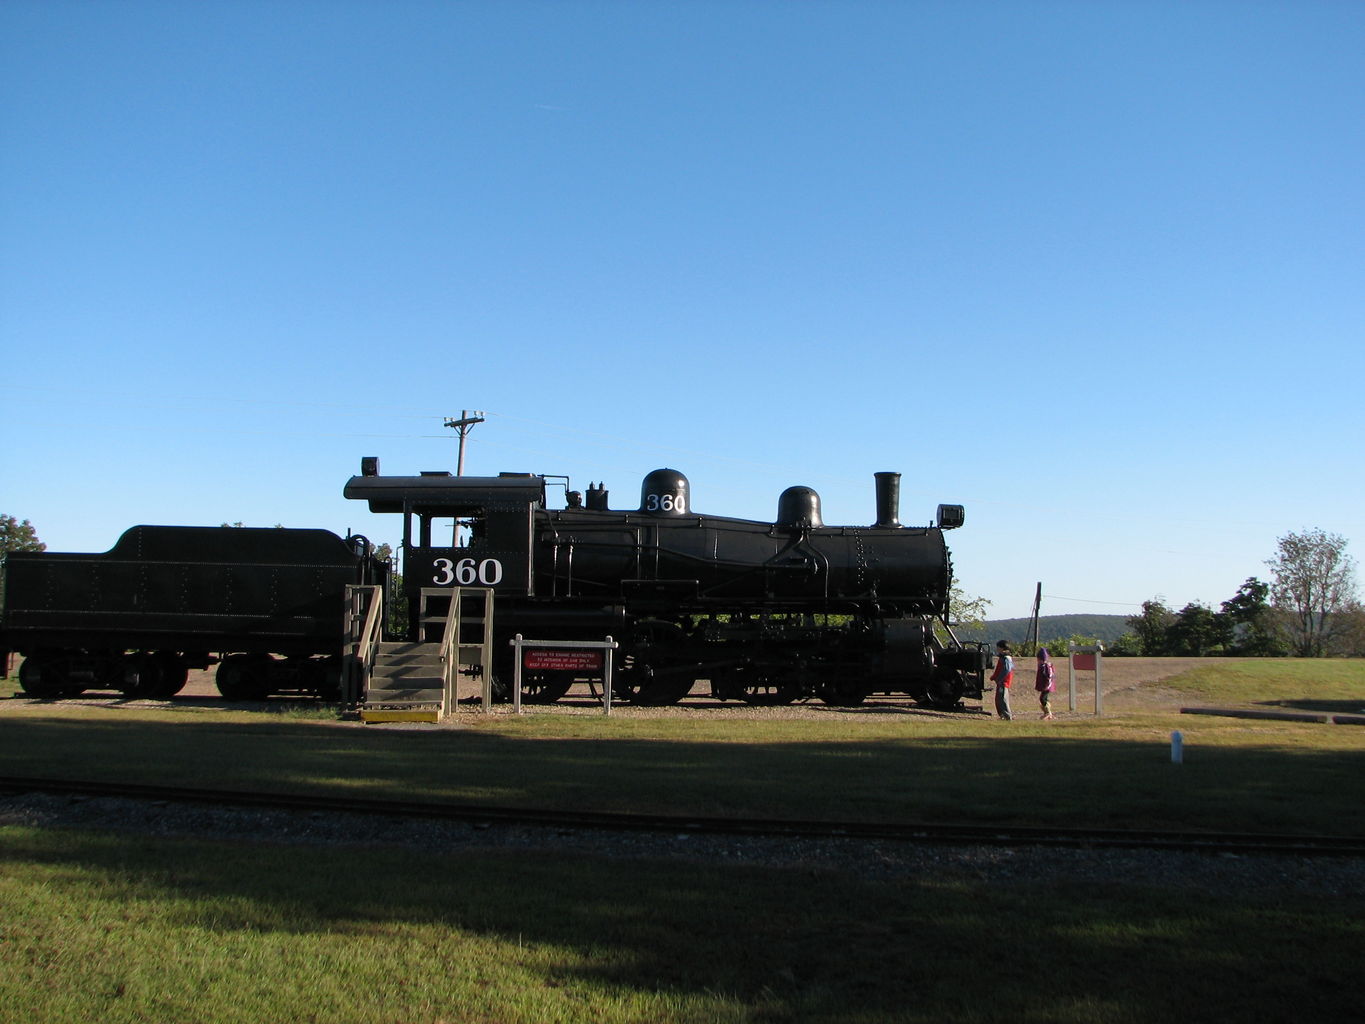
(367, 642)
(450, 659)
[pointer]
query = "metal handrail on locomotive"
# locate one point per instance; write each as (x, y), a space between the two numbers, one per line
(766, 612)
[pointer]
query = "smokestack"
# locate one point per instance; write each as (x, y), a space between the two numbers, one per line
(888, 499)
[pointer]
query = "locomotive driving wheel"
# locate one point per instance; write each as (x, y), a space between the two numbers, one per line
(763, 690)
(755, 687)
(544, 687)
(944, 690)
(842, 693)
(649, 674)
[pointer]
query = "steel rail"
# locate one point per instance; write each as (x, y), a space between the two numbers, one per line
(924, 832)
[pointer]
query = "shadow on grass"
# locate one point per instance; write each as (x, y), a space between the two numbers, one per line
(771, 945)
(1008, 778)
(1340, 707)
(114, 700)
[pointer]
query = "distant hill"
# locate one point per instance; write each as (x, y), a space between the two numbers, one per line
(1107, 628)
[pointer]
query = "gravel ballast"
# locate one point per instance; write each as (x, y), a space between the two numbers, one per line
(1224, 873)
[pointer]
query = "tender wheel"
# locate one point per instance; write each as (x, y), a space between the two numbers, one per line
(243, 677)
(329, 680)
(142, 676)
(843, 693)
(46, 677)
(174, 675)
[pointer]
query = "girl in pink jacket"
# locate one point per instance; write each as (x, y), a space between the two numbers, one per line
(1045, 682)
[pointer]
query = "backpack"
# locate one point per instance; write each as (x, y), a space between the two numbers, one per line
(1047, 678)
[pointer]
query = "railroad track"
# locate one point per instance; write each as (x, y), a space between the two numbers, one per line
(915, 832)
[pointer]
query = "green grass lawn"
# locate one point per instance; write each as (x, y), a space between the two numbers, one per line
(1329, 685)
(1239, 774)
(110, 928)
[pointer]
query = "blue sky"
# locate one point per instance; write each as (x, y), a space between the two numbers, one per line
(1092, 269)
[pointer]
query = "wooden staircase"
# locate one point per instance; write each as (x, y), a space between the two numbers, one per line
(407, 683)
(418, 681)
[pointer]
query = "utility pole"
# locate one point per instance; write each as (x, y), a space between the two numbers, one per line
(464, 425)
(1037, 606)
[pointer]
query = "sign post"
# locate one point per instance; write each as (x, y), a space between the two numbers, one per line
(563, 656)
(1086, 658)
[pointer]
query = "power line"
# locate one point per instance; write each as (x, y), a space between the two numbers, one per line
(1085, 600)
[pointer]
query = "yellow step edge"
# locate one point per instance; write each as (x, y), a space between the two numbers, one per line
(400, 715)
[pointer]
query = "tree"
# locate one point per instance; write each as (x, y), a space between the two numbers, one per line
(1061, 646)
(1351, 638)
(1128, 645)
(964, 609)
(1197, 631)
(18, 536)
(1249, 603)
(1251, 622)
(396, 600)
(966, 613)
(1152, 627)
(1314, 583)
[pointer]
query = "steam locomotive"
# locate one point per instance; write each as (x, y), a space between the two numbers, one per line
(768, 613)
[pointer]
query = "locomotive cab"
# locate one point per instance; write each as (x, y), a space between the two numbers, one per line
(490, 544)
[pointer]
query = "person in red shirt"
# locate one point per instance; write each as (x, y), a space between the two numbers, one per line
(1002, 677)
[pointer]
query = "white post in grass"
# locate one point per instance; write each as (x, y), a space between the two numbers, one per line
(1099, 683)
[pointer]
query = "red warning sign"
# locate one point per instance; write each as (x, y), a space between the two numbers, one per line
(1084, 662)
(550, 660)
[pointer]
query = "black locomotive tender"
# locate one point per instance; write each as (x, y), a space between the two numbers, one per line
(767, 612)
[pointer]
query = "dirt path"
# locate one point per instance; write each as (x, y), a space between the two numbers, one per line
(1130, 685)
